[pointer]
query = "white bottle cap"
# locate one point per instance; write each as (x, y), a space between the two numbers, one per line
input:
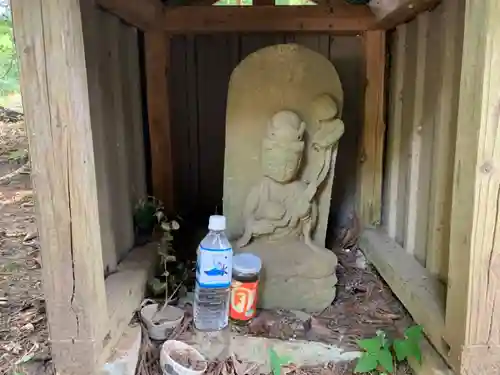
(217, 223)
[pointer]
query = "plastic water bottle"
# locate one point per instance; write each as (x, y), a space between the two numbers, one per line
(213, 278)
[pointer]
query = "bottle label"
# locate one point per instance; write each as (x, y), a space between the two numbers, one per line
(213, 267)
(243, 300)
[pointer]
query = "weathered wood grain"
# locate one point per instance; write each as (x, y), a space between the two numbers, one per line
(391, 13)
(472, 314)
(55, 86)
(157, 46)
(373, 133)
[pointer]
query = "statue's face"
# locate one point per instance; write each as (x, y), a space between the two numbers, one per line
(281, 162)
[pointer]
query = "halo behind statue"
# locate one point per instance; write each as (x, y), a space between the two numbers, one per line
(275, 78)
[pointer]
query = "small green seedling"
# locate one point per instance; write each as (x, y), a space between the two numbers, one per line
(376, 355)
(409, 346)
(277, 362)
(382, 355)
(144, 216)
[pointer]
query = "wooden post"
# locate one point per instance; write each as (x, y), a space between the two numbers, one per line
(55, 88)
(157, 66)
(473, 300)
(372, 146)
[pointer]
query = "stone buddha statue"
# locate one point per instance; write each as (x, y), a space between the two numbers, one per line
(283, 126)
(281, 212)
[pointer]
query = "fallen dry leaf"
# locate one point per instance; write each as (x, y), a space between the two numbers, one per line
(348, 236)
(263, 323)
(27, 316)
(232, 366)
(28, 327)
(12, 347)
(215, 368)
(317, 328)
(14, 234)
(244, 368)
(30, 236)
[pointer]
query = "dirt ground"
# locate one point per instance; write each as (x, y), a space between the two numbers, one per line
(23, 331)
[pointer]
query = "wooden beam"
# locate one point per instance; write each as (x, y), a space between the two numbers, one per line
(263, 2)
(421, 293)
(343, 18)
(157, 51)
(473, 303)
(144, 14)
(391, 13)
(197, 2)
(61, 131)
(177, 3)
(373, 134)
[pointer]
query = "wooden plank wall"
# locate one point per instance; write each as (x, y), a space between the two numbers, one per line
(200, 70)
(119, 104)
(422, 119)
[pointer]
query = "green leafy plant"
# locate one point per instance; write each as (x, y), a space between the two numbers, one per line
(149, 218)
(380, 354)
(145, 219)
(277, 362)
(167, 255)
(409, 346)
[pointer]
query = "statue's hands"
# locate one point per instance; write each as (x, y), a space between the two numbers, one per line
(243, 241)
(273, 211)
(263, 227)
(328, 135)
(256, 228)
(309, 193)
(302, 209)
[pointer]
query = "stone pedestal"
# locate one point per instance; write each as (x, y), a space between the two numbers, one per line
(293, 276)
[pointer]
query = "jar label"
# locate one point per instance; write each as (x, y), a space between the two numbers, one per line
(243, 300)
(213, 267)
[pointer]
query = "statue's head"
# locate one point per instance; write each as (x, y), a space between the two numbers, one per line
(283, 146)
